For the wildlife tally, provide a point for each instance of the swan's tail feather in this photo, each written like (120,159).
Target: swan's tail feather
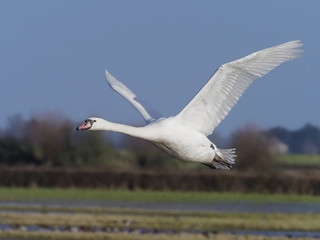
(224,159)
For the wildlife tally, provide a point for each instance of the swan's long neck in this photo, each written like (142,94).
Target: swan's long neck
(139,132)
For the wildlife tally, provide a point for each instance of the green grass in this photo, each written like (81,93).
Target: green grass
(29,194)
(299,160)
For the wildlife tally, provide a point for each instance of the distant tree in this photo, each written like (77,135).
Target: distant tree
(254,149)
(51,140)
(50,137)
(305,140)
(308,139)
(13,153)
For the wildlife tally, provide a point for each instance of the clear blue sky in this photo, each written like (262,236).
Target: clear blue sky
(53,55)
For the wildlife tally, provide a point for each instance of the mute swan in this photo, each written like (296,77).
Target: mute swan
(184,135)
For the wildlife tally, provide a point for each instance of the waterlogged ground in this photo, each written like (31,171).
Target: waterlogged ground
(54,214)
(218,206)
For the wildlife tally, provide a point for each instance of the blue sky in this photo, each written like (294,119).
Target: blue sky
(53,55)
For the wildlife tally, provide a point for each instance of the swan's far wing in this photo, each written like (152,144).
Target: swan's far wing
(214,101)
(148,113)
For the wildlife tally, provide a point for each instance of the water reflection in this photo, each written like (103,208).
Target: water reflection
(239,207)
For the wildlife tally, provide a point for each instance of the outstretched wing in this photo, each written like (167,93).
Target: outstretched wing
(214,101)
(147,112)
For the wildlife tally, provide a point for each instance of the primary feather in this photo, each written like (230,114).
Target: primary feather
(146,111)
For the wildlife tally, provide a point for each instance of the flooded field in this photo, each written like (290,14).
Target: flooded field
(218,206)
(63,218)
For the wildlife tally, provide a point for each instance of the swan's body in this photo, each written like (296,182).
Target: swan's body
(184,136)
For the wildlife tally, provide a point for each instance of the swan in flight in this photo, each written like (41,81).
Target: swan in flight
(184,135)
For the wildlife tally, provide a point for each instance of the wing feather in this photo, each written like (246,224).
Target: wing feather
(147,112)
(214,101)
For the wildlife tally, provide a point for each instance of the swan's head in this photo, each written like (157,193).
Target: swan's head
(92,123)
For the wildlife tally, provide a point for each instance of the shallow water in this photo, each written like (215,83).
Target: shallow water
(240,207)
(291,234)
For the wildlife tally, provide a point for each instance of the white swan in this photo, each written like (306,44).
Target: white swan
(184,136)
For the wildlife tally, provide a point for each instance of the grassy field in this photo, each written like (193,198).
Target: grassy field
(299,160)
(29,194)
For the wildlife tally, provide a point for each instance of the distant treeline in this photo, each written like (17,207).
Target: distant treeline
(298,183)
(303,141)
